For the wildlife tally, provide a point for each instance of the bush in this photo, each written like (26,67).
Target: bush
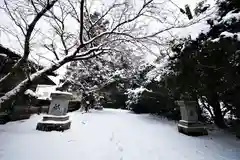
(43,102)
(4,118)
(74,105)
(142,100)
(116,101)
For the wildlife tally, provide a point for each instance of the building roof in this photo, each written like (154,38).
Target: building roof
(8,58)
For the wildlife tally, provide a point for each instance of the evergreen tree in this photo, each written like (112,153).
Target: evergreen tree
(208,68)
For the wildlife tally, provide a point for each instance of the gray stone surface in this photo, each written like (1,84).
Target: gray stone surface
(188,110)
(59,103)
(57,118)
(189,123)
(192,128)
(238,131)
(53,126)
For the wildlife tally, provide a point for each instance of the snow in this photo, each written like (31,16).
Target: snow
(3,55)
(30,92)
(138,90)
(113,135)
(134,94)
(60,92)
(44,91)
(215,40)
(21,85)
(199,23)
(56,80)
(55,122)
(48,115)
(230,16)
(231,35)
(156,73)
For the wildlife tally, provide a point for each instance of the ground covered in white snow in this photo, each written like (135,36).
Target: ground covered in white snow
(112,135)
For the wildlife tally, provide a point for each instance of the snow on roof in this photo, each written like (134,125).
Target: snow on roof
(30,92)
(44,91)
(60,92)
(54,79)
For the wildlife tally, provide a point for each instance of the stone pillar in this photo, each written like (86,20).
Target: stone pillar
(57,118)
(238,129)
(59,103)
(189,123)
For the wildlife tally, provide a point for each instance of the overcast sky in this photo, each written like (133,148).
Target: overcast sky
(8,42)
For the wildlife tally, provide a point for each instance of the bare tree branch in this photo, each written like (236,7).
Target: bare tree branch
(28,34)
(81,22)
(10,13)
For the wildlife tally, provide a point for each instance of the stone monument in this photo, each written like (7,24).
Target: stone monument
(189,123)
(238,129)
(57,117)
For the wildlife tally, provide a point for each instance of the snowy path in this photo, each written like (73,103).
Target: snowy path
(112,135)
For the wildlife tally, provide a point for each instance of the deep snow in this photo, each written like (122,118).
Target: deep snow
(112,135)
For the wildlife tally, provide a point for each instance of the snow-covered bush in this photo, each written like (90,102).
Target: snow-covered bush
(143,100)
(134,96)
(207,66)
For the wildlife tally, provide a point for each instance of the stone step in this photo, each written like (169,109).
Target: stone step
(55,118)
(53,125)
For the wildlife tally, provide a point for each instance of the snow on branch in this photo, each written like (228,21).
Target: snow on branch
(77,33)
(30,93)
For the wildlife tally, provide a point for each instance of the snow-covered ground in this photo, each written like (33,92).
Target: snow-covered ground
(113,135)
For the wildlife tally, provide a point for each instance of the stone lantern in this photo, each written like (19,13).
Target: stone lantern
(57,117)
(189,123)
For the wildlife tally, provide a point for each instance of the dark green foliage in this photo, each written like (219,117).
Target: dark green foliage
(208,67)
(74,105)
(43,102)
(139,77)
(227,6)
(114,94)
(155,100)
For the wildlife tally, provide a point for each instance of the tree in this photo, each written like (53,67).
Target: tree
(201,8)
(76,41)
(99,71)
(207,69)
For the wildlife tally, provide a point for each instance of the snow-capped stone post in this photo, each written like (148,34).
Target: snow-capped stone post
(57,118)
(59,103)
(189,123)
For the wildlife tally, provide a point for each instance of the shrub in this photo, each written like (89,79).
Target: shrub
(142,100)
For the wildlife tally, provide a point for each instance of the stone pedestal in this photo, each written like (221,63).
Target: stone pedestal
(57,118)
(189,123)
(238,130)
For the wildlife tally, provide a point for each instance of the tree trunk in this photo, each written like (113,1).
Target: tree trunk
(12,73)
(6,100)
(218,117)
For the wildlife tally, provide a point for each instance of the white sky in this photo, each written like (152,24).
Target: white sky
(182,3)
(9,42)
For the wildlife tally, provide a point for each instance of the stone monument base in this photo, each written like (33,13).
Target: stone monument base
(192,128)
(54,123)
(238,132)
